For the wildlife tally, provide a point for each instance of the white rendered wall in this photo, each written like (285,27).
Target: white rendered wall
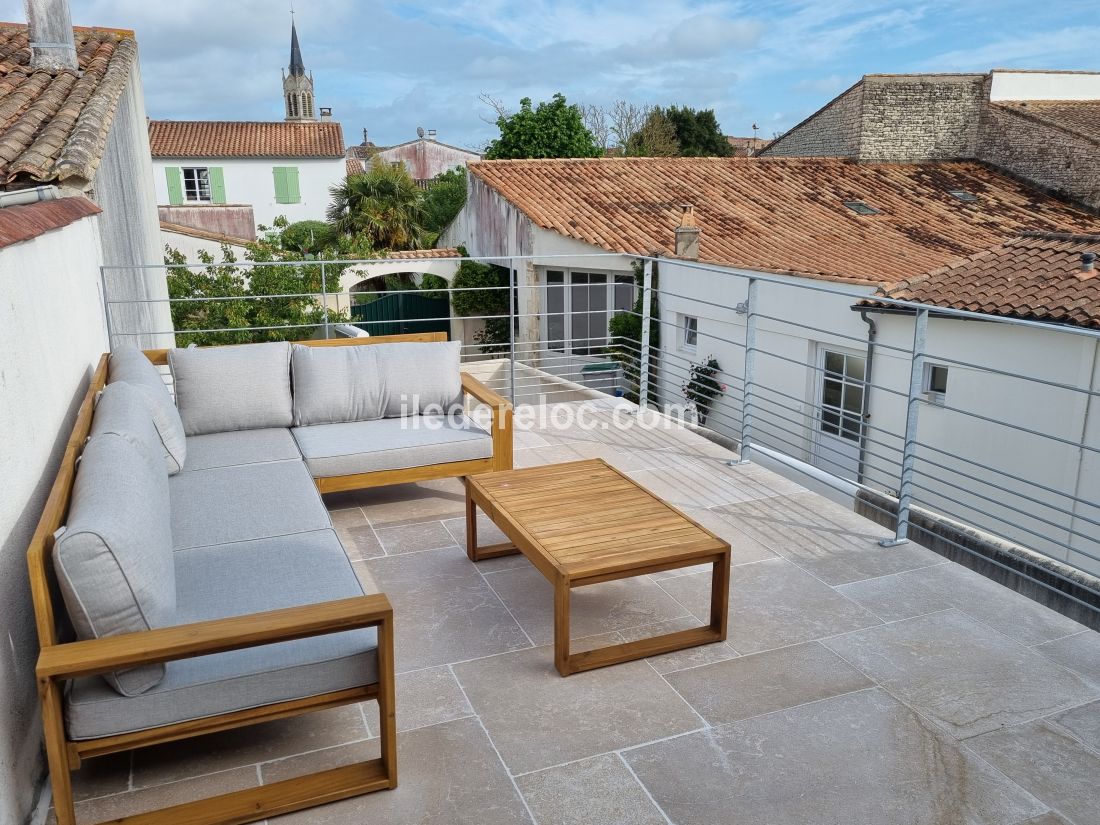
(52,332)
(190,246)
(251,181)
(1008,85)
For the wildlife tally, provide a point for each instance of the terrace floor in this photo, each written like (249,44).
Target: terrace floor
(859,684)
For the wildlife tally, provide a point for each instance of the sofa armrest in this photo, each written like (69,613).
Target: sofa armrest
(502,419)
(167,644)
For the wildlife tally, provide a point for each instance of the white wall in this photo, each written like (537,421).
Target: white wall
(190,246)
(1009,85)
(251,181)
(52,332)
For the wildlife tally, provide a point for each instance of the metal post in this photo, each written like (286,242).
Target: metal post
(512,330)
(750,372)
(909,451)
(324,296)
(643,357)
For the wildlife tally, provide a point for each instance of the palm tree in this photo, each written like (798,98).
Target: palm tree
(384,204)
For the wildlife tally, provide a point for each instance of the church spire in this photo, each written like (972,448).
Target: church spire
(297,67)
(297,85)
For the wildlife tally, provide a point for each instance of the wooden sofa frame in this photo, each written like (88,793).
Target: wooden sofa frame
(59,662)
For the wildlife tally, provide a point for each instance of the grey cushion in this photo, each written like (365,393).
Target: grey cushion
(122,410)
(218,582)
(245,387)
(114,559)
(335,384)
(206,452)
(390,444)
(419,377)
(252,501)
(131,366)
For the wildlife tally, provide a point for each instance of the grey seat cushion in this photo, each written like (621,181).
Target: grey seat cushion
(206,452)
(419,377)
(390,444)
(130,365)
(245,387)
(335,384)
(218,582)
(252,501)
(114,559)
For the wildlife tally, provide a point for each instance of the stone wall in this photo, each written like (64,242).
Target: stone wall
(830,132)
(1053,158)
(921,117)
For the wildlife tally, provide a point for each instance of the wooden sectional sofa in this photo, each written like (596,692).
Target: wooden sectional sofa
(175,530)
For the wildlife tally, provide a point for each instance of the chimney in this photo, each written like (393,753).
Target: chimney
(431,134)
(50,30)
(1088,264)
(326,114)
(687,234)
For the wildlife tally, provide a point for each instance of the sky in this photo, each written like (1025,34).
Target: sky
(391,67)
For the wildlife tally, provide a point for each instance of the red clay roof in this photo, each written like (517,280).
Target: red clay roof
(443,252)
(1036,276)
(1081,117)
(783,215)
(21,223)
(244,139)
(354,166)
(54,125)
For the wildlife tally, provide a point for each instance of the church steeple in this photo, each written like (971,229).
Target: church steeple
(297,85)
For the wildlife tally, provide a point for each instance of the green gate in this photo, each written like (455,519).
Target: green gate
(403,312)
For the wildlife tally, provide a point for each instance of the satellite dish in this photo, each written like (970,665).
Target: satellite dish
(420,131)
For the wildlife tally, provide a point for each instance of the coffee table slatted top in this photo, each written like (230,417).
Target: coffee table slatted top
(589,519)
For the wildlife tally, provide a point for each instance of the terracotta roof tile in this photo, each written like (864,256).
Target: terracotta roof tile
(355,166)
(1081,117)
(443,252)
(1037,276)
(21,223)
(783,215)
(54,125)
(243,139)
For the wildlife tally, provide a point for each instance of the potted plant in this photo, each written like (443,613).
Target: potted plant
(702,387)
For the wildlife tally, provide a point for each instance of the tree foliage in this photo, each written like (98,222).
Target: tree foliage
(444,199)
(553,129)
(626,337)
(655,138)
(698,132)
(383,205)
(488,300)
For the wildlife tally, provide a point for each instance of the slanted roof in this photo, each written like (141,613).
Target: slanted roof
(1082,117)
(442,252)
(297,65)
(1037,276)
(22,223)
(245,139)
(54,124)
(354,166)
(784,215)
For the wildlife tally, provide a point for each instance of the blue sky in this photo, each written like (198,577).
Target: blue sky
(391,67)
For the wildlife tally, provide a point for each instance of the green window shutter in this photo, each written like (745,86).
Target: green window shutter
(217,184)
(292,192)
(175,185)
(286,184)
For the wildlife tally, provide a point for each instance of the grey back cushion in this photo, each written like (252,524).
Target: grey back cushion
(221,389)
(335,385)
(130,365)
(123,409)
(114,558)
(419,378)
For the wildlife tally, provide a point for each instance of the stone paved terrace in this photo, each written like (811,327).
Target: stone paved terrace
(858,685)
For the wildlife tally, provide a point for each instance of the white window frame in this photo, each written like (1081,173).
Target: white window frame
(613,278)
(932,395)
(198,190)
(689,330)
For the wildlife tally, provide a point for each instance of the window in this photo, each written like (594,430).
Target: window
(963,195)
(842,395)
(579,306)
(935,383)
(196,184)
(861,208)
(690,327)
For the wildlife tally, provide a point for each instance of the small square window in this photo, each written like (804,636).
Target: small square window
(861,208)
(935,383)
(963,195)
(691,332)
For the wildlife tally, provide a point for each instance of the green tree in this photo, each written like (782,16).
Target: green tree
(488,299)
(308,237)
(444,199)
(383,205)
(553,129)
(656,138)
(698,132)
(625,343)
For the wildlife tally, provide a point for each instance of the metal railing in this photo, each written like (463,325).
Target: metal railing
(1026,473)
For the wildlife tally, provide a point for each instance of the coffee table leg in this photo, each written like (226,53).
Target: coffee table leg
(720,594)
(561,626)
(471,527)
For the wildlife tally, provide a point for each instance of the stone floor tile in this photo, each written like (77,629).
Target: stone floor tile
(445,610)
(347,517)
(449,775)
(428,697)
(596,791)
(961,674)
(1083,722)
(537,456)
(360,542)
(1049,818)
(1079,653)
(772,604)
(598,608)
(102,776)
(188,758)
(410,538)
(679,659)
(858,759)
(900,596)
(405,503)
(834,544)
(1048,763)
(766,682)
(487,532)
(537,718)
(743,547)
(365,578)
(108,808)
(693,485)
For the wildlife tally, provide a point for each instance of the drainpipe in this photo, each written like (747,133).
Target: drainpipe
(872,334)
(19,197)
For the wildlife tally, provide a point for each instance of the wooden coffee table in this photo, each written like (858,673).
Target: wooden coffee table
(584,523)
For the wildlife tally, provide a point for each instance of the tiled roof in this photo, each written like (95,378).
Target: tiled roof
(244,139)
(54,125)
(444,252)
(784,215)
(21,223)
(1036,276)
(1079,116)
(355,166)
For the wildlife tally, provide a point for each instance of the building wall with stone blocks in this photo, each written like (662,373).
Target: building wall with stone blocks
(830,132)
